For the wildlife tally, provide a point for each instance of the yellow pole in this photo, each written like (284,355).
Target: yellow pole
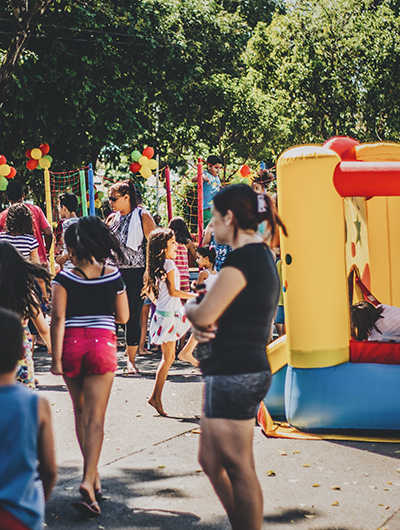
(49,214)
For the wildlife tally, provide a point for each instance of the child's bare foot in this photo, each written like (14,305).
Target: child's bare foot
(132,369)
(157,405)
(188,358)
(87,493)
(144,352)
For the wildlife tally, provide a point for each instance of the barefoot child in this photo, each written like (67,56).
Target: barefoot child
(169,322)
(87,301)
(27,460)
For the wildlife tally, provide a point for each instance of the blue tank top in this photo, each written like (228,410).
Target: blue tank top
(21,490)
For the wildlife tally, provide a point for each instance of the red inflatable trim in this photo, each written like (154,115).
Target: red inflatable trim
(344,146)
(374,352)
(367,179)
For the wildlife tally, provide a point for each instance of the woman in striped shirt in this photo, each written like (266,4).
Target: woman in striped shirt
(18,231)
(87,301)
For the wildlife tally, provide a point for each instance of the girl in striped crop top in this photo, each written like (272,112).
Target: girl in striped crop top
(87,301)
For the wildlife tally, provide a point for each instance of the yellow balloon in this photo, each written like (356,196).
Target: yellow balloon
(145,171)
(44,162)
(152,163)
(36,153)
(4,170)
(143,161)
(97,203)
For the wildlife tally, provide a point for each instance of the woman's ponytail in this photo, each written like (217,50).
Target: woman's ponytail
(266,211)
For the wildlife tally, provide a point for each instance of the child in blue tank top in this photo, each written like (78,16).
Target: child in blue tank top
(27,458)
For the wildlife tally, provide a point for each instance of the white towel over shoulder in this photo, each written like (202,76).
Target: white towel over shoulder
(135,230)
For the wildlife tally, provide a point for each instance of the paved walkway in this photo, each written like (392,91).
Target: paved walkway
(151,475)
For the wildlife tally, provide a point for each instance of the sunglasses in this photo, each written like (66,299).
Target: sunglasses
(113,199)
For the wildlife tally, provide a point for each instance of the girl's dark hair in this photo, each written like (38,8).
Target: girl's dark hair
(208,252)
(155,272)
(19,220)
(181,231)
(17,282)
(91,238)
(363,317)
(126,187)
(242,200)
(11,333)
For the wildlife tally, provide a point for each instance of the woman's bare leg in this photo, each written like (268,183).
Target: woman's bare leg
(186,354)
(144,318)
(131,366)
(168,357)
(90,404)
(226,455)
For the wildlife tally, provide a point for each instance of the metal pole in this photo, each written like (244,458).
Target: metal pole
(168,187)
(49,214)
(200,221)
(91,191)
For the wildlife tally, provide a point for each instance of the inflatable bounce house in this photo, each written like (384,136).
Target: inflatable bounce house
(341,205)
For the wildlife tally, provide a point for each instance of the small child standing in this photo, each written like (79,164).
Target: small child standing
(169,323)
(206,261)
(67,208)
(27,459)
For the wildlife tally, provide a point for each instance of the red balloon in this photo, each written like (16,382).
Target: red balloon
(32,164)
(45,148)
(149,152)
(3,160)
(245,170)
(28,153)
(12,173)
(135,167)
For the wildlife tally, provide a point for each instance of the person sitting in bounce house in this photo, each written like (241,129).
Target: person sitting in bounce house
(380,323)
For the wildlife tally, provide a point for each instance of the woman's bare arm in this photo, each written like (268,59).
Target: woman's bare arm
(172,289)
(148,224)
(121,308)
(46,452)
(227,286)
(58,310)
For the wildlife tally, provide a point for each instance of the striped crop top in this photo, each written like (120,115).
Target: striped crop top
(91,301)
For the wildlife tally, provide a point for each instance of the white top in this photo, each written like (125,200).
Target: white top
(68,265)
(166,302)
(389,325)
(209,281)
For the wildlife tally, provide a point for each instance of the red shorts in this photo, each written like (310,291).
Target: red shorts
(88,351)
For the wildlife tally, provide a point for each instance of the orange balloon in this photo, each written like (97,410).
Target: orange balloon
(149,152)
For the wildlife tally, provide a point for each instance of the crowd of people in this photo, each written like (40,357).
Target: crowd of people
(107,270)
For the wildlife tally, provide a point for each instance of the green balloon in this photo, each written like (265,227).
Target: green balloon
(49,158)
(135,156)
(3,183)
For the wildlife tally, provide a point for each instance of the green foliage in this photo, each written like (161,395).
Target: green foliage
(329,68)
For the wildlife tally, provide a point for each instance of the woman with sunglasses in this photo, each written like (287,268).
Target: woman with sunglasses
(132,226)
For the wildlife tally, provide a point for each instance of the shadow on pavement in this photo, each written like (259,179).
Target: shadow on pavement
(391,450)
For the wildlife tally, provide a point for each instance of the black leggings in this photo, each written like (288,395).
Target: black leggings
(133,279)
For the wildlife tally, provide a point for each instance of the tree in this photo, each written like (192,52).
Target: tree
(25,18)
(329,68)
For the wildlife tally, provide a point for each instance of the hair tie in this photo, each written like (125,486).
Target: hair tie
(261,203)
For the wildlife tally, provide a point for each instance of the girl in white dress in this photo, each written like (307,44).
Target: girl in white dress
(169,322)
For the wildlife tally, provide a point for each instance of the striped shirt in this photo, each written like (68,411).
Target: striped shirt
(90,302)
(25,243)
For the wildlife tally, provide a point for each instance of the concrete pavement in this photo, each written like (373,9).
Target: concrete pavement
(152,479)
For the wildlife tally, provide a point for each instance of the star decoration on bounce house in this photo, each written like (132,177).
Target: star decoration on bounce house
(38,157)
(6,173)
(143,163)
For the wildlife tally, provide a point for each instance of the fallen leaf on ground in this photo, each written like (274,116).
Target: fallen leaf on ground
(335,488)
(315,485)
(306,465)
(336,503)
(271,473)
(69,488)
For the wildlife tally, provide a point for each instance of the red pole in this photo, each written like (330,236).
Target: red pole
(168,187)
(200,221)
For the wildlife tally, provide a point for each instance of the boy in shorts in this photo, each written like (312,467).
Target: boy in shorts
(27,459)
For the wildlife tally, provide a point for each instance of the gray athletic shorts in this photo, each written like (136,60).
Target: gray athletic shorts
(234,397)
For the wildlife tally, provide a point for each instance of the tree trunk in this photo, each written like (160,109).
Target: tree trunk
(25,20)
